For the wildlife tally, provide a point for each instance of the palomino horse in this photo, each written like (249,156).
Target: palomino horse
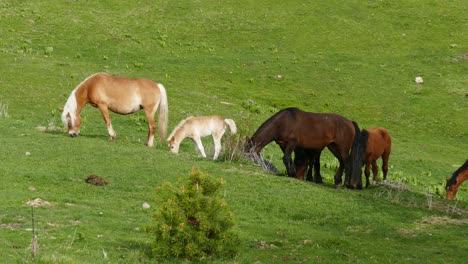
(458,177)
(306,160)
(292,128)
(379,144)
(120,95)
(197,127)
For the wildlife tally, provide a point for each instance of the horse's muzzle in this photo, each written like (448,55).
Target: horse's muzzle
(73,135)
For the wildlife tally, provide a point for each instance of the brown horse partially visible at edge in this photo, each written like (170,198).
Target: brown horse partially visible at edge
(379,145)
(119,95)
(292,128)
(458,177)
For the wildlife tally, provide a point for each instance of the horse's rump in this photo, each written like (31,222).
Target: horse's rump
(379,143)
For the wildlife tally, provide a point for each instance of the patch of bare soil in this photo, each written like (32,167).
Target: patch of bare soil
(449,209)
(429,221)
(10,226)
(38,202)
(96,180)
(442,220)
(463,57)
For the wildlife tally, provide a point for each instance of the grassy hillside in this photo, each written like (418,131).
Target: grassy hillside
(244,60)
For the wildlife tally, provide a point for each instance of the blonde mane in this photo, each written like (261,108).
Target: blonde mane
(181,124)
(71,104)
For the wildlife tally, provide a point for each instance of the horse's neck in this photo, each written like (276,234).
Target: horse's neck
(261,138)
(462,176)
(180,134)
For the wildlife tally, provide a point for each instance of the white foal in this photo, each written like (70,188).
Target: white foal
(201,126)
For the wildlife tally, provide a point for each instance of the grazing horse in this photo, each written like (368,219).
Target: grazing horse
(458,177)
(379,144)
(119,95)
(197,127)
(306,160)
(292,128)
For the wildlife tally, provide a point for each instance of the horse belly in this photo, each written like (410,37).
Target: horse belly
(125,105)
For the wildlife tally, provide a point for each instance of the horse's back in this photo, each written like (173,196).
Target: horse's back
(205,125)
(120,94)
(327,127)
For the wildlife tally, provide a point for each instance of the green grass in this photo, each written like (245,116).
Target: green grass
(355,58)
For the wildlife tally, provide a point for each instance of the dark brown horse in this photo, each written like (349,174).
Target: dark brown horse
(458,177)
(306,160)
(379,145)
(292,128)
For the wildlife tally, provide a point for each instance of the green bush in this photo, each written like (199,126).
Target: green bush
(192,221)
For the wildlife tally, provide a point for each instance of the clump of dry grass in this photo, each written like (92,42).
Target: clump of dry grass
(3,110)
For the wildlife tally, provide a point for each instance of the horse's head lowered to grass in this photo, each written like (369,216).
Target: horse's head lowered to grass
(458,177)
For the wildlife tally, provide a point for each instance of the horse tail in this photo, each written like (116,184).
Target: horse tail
(356,156)
(387,139)
(231,124)
(163,113)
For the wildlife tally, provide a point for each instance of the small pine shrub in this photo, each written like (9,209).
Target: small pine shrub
(192,221)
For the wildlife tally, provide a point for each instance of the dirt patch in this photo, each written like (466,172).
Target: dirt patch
(48,128)
(449,209)
(38,202)
(442,220)
(96,180)
(463,57)
(10,226)
(264,245)
(407,232)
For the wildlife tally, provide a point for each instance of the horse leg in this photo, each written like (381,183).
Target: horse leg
(217,143)
(318,177)
(200,148)
(310,164)
(375,171)
(339,172)
(151,127)
(385,165)
(310,167)
(300,163)
(367,172)
(105,115)
(288,161)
